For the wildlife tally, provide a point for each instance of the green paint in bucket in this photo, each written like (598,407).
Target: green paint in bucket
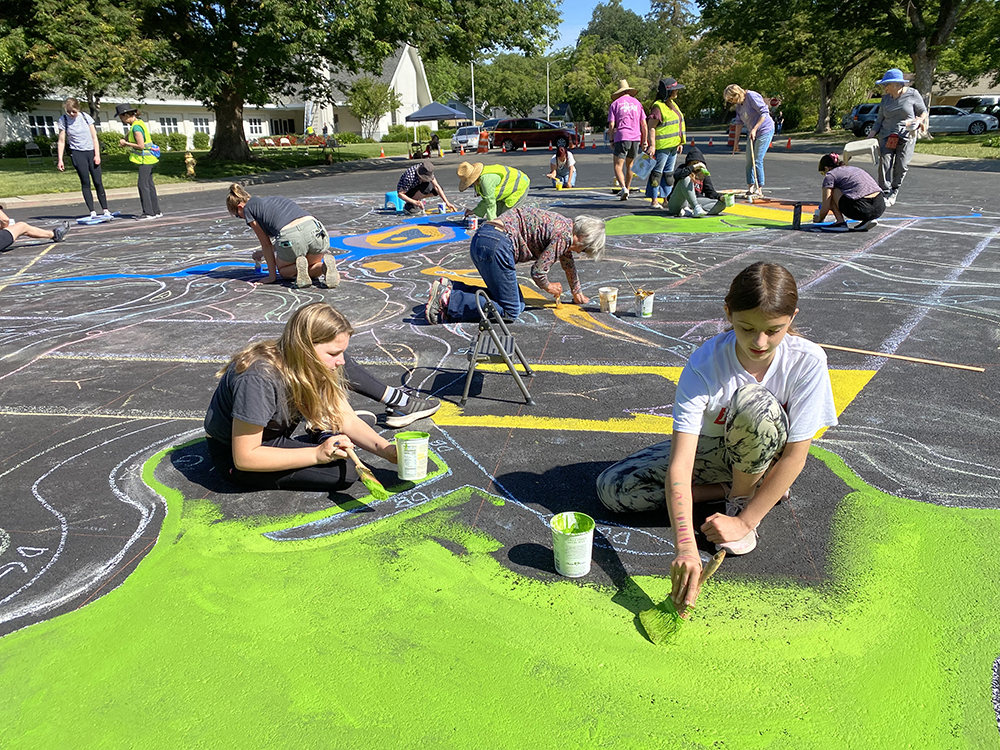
(411,455)
(572,543)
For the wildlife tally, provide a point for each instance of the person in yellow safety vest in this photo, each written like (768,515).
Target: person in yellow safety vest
(667,121)
(499,188)
(143,152)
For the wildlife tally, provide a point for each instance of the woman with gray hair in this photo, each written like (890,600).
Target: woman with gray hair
(520,235)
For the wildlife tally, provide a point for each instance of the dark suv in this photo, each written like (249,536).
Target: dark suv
(513,134)
(863,117)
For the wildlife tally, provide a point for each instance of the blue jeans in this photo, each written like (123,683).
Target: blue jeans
(760,144)
(572,182)
(493,255)
(665,161)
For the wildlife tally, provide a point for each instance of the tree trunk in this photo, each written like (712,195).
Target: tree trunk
(230,143)
(924,67)
(826,88)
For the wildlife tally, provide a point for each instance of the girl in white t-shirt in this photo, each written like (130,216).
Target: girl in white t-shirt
(748,404)
(562,166)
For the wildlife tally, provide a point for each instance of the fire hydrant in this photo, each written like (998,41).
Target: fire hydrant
(190,161)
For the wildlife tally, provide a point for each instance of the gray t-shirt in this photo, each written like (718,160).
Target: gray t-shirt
(853,182)
(256,396)
(77,131)
(893,112)
(272,213)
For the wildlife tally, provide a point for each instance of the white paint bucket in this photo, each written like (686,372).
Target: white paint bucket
(572,543)
(411,455)
(609,298)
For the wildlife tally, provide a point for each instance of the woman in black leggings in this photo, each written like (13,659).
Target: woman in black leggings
(84,151)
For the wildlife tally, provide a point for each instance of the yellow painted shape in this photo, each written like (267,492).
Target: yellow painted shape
(427,232)
(379,284)
(847,384)
(580,318)
(759,212)
(382,266)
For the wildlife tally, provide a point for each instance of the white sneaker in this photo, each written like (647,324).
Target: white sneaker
(93,214)
(108,215)
(624,195)
(686,213)
(699,212)
(734,506)
(890,199)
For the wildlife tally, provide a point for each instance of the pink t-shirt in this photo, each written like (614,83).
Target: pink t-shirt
(624,116)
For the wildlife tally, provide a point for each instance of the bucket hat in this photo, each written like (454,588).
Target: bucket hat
(425,168)
(670,84)
(468,174)
(892,75)
(124,109)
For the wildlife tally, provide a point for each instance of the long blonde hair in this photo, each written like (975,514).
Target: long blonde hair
(314,391)
(736,92)
(237,195)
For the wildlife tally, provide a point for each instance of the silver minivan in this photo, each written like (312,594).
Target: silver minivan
(980,105)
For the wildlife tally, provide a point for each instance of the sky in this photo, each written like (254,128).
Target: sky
(577,14)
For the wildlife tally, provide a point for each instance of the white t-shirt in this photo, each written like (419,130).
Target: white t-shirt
(798,377)
(563,171)
(77,131)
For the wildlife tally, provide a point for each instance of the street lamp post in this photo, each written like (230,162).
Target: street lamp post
(472,73)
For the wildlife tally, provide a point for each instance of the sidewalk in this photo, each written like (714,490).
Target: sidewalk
(173,188)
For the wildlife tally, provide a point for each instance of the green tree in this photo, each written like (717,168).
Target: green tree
(976,52)
(802,36)
(447,77)
(616,25)
(228,53)
(370,100)
(512,82)
(593,76)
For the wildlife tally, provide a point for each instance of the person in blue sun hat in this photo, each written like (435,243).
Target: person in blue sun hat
(902,114)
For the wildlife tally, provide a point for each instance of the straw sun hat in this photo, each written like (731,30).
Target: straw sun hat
(624,88)
(468,174)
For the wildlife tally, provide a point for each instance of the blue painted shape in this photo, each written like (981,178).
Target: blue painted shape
(99,219)
(200,270)
(414,234)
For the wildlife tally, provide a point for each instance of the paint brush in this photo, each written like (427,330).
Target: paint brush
(558,298)
(367,478)
(662,622)
(634,290)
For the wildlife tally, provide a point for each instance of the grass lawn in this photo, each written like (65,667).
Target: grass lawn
(951,144)
(17,178)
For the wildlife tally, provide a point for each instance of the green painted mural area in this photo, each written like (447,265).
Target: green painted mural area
(384,637)
(661,223)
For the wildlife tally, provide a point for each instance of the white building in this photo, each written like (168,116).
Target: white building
(404,72)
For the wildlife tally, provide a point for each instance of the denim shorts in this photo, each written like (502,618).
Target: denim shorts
(308,237)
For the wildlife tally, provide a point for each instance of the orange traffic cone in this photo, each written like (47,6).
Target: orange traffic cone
(710,142)
(503,148)
(524,145)
(593,145)
(692,141)
(788,146)
(550,145)
(381,154)
(461,149)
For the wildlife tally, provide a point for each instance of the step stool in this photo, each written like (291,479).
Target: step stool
(867,147)
(491,346)
(392,200)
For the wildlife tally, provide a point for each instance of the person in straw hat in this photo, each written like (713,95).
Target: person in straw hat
(498,187)
(628,131)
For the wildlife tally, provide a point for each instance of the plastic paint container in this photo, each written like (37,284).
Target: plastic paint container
(442,208)
(472,223)
(572,543)
(644,303)
(609,298)
(411,455)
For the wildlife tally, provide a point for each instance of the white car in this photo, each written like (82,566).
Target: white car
(467,137)
(954,120)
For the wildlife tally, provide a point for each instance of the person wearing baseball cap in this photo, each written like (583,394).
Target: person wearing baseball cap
(416,184)
(901,114)
(143,152)
(666,124)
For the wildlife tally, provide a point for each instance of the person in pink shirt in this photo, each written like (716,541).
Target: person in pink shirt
(627,129)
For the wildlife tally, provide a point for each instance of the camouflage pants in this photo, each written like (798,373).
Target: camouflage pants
(756,433)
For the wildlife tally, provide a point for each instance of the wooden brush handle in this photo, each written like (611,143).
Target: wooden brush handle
(713,565)
(357,461)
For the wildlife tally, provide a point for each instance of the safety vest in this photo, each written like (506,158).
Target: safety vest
(145,156)
(670,134)
(514,183)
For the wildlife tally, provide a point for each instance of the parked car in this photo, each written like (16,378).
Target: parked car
(863,117)
(467,137)
(512,134)
(489,126)
(944,119)
(980,105)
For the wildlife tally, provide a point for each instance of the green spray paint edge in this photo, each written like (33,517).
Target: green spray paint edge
(621,226)
(392,640)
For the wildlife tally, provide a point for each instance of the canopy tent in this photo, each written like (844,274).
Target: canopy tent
(433,111)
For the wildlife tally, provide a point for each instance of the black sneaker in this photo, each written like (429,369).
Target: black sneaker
(59,233)
(411,411)
(143,217)
(864,226)
(437,302)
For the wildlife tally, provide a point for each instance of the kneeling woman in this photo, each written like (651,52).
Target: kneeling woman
(519,235)
(849,192)
(269,388)
(748,404)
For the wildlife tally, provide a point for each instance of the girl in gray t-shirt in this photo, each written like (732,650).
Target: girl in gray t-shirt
(84,151)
